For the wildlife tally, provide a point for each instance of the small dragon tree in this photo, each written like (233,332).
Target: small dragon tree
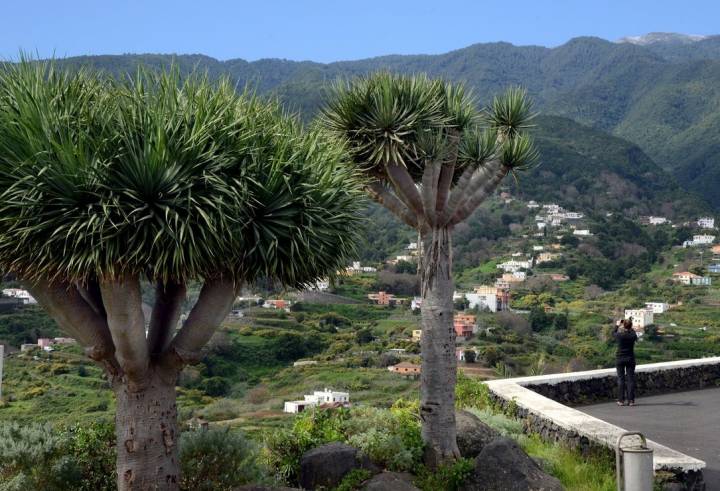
(432,160)
(106,185)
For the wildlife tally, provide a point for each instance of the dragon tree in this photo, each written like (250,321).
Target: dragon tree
(107,187)
(432,158)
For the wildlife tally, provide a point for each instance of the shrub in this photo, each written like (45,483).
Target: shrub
(470,392)
(354,479)
(450,476)
(391,438)
(215,386)
(218,459)
(89,452)
(220,410)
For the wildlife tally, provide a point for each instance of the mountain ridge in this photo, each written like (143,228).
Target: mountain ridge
(664,97)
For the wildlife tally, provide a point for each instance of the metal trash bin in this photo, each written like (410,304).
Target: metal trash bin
(634,465)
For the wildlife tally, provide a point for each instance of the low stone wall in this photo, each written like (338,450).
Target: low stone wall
(543,404)
(601,385)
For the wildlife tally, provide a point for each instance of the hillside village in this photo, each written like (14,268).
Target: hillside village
(530,308)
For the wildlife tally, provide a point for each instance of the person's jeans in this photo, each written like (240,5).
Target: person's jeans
(626,380)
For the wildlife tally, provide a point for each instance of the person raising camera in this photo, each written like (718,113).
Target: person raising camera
(626,337)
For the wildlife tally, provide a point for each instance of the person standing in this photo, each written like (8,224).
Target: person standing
(626,337)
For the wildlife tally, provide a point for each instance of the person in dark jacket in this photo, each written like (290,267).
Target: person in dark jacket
(626,337)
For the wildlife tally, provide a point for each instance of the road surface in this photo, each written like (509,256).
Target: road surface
(688,422)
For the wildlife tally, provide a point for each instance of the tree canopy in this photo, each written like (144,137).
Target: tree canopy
(165,178)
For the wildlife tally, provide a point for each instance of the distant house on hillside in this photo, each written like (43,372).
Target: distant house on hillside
(706,222)
(701,281)
(684,277)
(384,298)
(515,265)
(279,304)
(641,318)
(546,257)
(532,205)
(714,268)
(318,398)
(416,303)
(687,278)
(417,335)
(582,232)
(22,295)
(357,268)
(464,325)
(656,220)
(657,307)
(406,369)
(492,298)
(699,240)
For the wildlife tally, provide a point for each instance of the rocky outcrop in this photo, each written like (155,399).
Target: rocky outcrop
(390,481)
(472,434)
(504,466)
(324,467)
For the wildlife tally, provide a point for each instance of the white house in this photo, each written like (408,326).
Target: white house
(657,307)
(582,232)
(317,398)
(320,285)
(416,303)
(640,318)
(22,295)
(359,268)
(703,239)
(404,257)
(515,265)
(572,215)
(701,281)
(532,204)
(492,298)
(699,240)
(552,208)
(541,225)
(684,277)
(706,222)
(412,246)
(657,220)
(538,248)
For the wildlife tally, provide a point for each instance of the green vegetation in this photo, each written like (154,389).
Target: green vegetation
(660,97)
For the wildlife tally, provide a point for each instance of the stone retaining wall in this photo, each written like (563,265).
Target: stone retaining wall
(603,387)
(543,404)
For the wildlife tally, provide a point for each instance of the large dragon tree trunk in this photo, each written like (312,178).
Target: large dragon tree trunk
(106,317)
(437,390)
(147,436)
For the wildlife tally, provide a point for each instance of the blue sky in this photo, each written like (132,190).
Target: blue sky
(329,30)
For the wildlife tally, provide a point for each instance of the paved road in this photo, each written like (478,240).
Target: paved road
(688,422)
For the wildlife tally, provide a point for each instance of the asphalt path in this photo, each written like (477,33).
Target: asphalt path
(688,422)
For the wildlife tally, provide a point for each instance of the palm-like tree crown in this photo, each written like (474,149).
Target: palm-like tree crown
(394,119)
(167,178)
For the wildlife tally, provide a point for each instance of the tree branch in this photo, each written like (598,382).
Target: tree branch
(123,303)
(479,196)
(405,187)
(165,315)
(470,179)
(75,316)
(430,177)
(387,198)
(91,293)
(447,173)
(215,301)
